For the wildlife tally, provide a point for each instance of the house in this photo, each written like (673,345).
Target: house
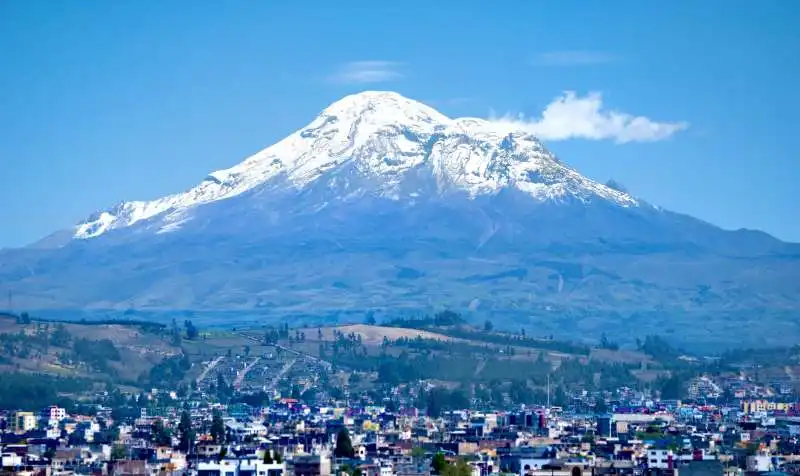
(562,469)
(311,465)
(241,431)
(525,459)
(246,466)
(22,422)
(130,468)
(10,460)
(660,459)
(702,468)
(208,450)
(53,414)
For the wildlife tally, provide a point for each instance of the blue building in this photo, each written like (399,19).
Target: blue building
(605,425)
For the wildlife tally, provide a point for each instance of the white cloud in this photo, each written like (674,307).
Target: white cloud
(365,72)
(574,117)
(574,58)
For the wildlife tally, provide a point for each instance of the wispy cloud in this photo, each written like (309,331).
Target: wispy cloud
(572,117)
(366,72)
(574,58)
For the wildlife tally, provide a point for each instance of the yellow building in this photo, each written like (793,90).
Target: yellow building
(753,406)
(22,422)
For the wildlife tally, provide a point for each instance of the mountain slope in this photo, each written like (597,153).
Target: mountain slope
(382,203)
(382,138)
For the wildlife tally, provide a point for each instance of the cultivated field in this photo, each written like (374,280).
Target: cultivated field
(374,335)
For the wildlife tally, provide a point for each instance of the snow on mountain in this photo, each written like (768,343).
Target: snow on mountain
(382,135)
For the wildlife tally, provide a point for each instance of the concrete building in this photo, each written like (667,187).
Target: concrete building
(660,459)
(240,467)
(524,460)
(311,465)
(759,463)
(52,415)
(605,425)
(22,422)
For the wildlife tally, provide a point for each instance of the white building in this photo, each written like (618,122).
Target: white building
(10,460)
(759,463)
(659,459)
(240,467)
(53,415)
(240,431)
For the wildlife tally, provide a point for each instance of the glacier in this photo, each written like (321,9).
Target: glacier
(383,135)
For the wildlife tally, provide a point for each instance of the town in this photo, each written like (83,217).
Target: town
(634,434)
(369,400)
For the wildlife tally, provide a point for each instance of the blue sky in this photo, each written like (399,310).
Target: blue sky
(106,101)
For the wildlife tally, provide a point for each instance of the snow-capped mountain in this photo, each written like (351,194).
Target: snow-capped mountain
(383,136)
(381,204)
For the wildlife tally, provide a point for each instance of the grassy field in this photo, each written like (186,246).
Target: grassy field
(141,348)
(374,336)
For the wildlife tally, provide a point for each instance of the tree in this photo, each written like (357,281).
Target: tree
(217,428)
(560,397)
(461,468)
(60,337)
(76,438)
(607,344)
(161,435)
(488,326)
(186,432)
(433,403)
(520,392)
(268,456)
(370,320)
(295,393)
(24,318)
(247,351)
(600,406)
(672,388)
(417,452)
(438,463)
(271,337)
(344,447)
(191,330)
(118,452)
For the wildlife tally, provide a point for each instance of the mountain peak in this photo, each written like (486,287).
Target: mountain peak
(381,108)
(379,143)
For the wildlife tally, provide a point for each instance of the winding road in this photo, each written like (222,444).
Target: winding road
(208,369)
(240,378)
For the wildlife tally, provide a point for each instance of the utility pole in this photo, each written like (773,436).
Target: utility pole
(548,393)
